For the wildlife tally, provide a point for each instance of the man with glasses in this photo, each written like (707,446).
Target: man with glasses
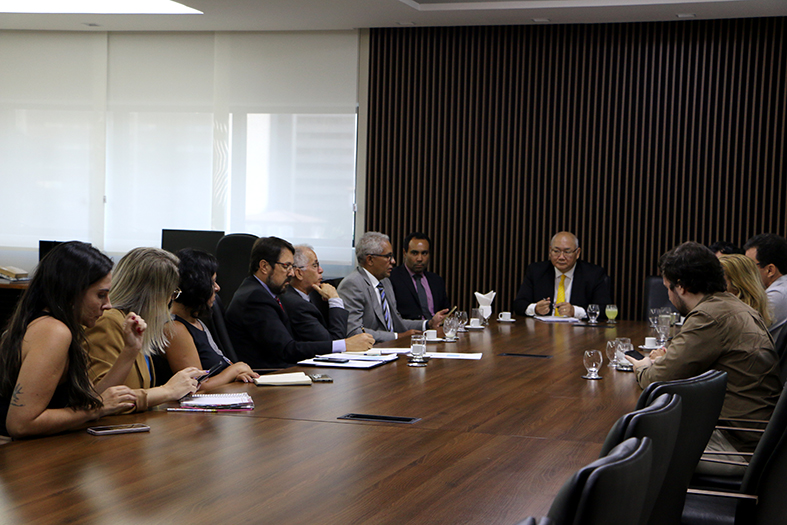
(315,309)
(769,252)
(369,297)
(257,324)
(563,285)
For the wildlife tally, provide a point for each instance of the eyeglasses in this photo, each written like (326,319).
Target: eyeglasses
(286,266)
(567,252)
(315,265)
(176,294)
(386,256)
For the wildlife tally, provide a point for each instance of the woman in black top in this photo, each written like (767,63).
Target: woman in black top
(190,341)
(44,385)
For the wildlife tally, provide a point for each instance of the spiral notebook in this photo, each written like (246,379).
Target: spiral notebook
(237,400)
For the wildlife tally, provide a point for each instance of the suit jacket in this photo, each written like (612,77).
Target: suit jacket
(260,330)
(590,286)
(360,301)
(308,322)
(407,297)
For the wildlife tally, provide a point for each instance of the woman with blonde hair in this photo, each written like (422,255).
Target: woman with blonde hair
(743,281)
(144,283)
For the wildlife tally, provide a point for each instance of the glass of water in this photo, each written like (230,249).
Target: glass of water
(592,361)
(593,312)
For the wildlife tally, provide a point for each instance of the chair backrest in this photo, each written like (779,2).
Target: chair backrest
(701,400)
(780,346)
(656,294)
(566,505)
(772,505)
(218,330)
(233,252)
(660,421)
(614,494)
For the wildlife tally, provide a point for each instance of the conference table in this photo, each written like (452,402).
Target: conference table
(495,440)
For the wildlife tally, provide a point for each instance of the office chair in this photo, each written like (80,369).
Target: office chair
(656,295)
(701,401)
(218,329)
(609,491)
(233,252)
(660,421)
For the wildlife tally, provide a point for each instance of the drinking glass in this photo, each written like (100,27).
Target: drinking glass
(611,312)
(592,361)
(612,358)
(475,313)
(450,325)
(623,347)
(462,318)
(653,317)
(418,345)
(593,312)
(663,327)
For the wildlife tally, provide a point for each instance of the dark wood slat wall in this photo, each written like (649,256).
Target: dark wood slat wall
(635,136)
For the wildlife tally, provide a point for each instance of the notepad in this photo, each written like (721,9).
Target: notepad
(218,401)
(293,378)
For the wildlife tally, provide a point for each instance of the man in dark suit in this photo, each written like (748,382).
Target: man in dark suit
(369,297)
(572,283)
(419,293)
(256,321)
(315,309)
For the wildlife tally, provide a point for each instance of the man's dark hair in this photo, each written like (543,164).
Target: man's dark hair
(771,249)
(415,235)
(267,249)
(725,247)
(694,267)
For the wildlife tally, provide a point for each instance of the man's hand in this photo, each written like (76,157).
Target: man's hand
(639,363)
(565,309)
(437,320)
(544,306)
(326,291)
(658,352)
(408,333)
(359,342)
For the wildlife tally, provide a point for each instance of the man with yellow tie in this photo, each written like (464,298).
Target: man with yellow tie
(573,284)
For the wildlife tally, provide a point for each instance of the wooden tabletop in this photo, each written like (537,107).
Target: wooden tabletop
(495,441)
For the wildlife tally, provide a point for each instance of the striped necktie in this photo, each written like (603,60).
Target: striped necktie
(386,311)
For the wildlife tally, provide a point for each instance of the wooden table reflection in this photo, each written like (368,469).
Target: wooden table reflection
(496,440)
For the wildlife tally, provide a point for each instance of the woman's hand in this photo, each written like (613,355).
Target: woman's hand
(117,399)
(183,383)
(244,373)
(133,332)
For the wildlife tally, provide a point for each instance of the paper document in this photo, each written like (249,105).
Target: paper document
(454,355)
(236,400)
(354,361)
(555,319)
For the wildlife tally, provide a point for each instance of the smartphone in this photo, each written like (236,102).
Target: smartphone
(331,359)
(636,355)
(321,378)
(118,429)
(210,372)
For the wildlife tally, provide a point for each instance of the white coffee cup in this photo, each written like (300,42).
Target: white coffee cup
(475,322)
(650,342)
(430,335)
(504,316)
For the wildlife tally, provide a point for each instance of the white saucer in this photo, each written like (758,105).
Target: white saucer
(438,340)
(455,339)
(506,321)
(474,327)
(643,347)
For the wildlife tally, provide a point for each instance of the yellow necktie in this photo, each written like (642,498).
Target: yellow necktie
(561,293)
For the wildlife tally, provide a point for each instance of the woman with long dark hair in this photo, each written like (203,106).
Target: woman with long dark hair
(190,342)
(44,384)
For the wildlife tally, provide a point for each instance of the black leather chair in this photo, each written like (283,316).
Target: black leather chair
(780,345)
(218,330)
(656,295)
(701,400)
(609,491)
(660,421)
(761,474)
(233,252)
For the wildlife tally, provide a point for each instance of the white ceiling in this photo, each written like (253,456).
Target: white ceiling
(287,15)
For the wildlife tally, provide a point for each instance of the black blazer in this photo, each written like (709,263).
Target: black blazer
(309,322)
(260,330)
(590,286)
(407,297)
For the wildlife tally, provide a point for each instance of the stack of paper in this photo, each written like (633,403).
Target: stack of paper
(235,401)
(294,378)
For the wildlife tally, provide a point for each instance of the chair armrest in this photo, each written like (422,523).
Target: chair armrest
(726,461)
(736,495)
(741,429)
(741,420)
(726,453)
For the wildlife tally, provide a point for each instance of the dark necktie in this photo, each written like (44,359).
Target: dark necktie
(386,311)
(419,287)
(280,305)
